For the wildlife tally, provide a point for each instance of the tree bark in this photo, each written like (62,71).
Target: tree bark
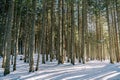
(32,37)
(9,25)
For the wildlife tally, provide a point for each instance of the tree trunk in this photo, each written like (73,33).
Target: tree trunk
(9,25)
(84,25)
(32,37)
(109,32)
(72,34)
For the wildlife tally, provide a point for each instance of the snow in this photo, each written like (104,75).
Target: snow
(92,70)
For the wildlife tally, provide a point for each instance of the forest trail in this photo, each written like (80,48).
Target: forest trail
(92,70)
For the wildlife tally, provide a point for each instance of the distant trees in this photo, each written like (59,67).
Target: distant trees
(64,30)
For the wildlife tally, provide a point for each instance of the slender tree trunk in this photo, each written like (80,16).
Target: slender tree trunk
(79,32)
(16,43)
(109,32)
(84,25)
(72,34)
(60,32)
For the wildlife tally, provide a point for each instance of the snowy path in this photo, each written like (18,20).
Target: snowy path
(93,70)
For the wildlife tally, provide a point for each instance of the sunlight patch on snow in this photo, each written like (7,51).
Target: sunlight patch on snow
(27,76)
(102,75)
(110,76)
(72,77)
(119,67)
(97,66)
(44,75)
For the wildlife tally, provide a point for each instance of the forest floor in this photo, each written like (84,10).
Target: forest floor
(92,70)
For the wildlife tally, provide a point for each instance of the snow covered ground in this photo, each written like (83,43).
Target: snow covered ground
(92,70)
